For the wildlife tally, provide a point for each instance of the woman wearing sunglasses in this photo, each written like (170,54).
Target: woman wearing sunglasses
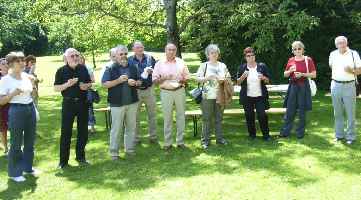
(253,77)
(298,98)
(16,88)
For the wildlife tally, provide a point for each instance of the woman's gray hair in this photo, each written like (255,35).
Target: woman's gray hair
(340,38)
(212,48)
(298,44)
(122,48)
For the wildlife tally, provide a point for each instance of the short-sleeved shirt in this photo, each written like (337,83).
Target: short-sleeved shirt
(177,68)
(210,87)
(147,61)
(63,74)
(300,67)
(121,94)
(9,84)
(339,61)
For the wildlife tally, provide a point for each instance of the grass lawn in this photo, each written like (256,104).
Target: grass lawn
(312,168)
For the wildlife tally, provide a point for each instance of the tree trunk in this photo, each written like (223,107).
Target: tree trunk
(93,55)
(171,24)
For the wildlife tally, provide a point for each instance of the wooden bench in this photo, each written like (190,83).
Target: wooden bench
(108,118)
(195,115)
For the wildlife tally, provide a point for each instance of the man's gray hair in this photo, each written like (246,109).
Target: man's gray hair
(69,51)
(212,48)
(121,48)
(138,42)
(112,51)
(170,44)
(340,38)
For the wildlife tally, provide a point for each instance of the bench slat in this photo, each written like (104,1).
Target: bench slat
(236,111)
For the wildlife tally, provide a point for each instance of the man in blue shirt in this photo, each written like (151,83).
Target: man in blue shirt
(145,64)
(121,79)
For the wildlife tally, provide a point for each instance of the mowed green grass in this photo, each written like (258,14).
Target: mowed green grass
(312,168)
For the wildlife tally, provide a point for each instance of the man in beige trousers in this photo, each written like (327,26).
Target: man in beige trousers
(171,74)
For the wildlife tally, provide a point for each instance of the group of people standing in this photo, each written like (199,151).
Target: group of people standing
(131,82)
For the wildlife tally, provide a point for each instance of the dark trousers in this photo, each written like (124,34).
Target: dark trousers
(22,126)
(295,103)
(70,110)
(258,103)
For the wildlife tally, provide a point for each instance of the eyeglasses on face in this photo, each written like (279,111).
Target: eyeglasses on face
(19,60)
(74,56)
(296,49)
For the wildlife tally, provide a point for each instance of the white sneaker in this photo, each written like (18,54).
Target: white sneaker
(34,172)
(349,142)
(18,179)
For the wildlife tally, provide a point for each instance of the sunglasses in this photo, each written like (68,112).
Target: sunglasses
(74,56)
(249,55)
(123,54)
(19,60)
(297,49)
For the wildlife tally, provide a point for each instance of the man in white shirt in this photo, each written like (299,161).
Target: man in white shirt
(345,65)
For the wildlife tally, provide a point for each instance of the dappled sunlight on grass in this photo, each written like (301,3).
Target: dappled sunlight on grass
(312,168)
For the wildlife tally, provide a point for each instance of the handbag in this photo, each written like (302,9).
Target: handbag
(197,93)
(93,96)
(357,82)
(312,83)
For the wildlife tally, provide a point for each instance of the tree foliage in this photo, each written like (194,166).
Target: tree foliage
(270,26)
(18,31)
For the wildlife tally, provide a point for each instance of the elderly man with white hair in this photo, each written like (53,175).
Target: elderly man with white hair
(171,74)
(345,65)
(145,64)
(73,81)
(122,80)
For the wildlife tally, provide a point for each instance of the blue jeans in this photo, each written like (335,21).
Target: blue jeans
(91,119)
(22,126)
(344,100)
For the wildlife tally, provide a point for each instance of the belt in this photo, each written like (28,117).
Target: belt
(343,82)
(20,104)
(175,89)
(142,88)
(73,99)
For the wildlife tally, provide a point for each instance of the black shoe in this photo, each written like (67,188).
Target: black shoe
(82,162)
(267,139)
(300,137)
(282,136)
(338,139)
(153,141)
(167,148)
(252,137)
(181,146)
(222,142)
(205,146)
(63,165)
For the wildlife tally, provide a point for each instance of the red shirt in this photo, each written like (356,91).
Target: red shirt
(300,67)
